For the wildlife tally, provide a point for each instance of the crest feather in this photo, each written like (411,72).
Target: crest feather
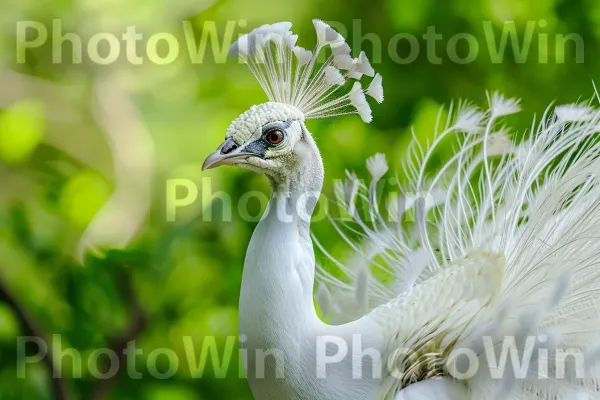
(295,76)
(334,76)
(363,65)
(375,89)
(359,101)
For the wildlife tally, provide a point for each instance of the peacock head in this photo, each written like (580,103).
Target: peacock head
(264,139)
(268,138)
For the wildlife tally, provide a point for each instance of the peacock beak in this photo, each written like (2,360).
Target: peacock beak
(228,153)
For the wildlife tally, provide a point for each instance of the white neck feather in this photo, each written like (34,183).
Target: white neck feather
(277,313)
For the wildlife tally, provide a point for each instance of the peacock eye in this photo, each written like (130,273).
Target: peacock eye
(274,136)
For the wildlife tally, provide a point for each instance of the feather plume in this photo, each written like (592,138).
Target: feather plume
(280,27)
(291,40)
(499,144)
(341,48)
(334,76)
(528,221)
(354,74)
(574,113)
(362,292)
(302,55)
(326,35)
(375,89)
(292,75)
(359,101)
(343,61)
(346,191)
(470,120)
(501,106)
(363,65)
(377,166)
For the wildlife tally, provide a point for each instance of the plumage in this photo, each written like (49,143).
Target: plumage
(363,65)
(343,61)
(334,76)
(318,91)
(303,55)
(497,250)
(341,48)
(327,35)
(375,89)
(377,166)
(437,389)
(359,102)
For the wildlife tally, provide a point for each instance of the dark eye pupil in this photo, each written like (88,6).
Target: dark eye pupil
(274,137)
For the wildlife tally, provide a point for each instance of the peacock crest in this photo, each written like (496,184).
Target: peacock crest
(294,76)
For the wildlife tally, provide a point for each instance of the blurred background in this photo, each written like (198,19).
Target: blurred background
(92,253)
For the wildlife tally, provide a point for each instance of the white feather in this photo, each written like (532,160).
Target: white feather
(362,288)
(358,101)
(281,27)
(354,74)
(363,65)
(303,56)
(346,191)
(326,35)
(499,144)
(340,48)
(377,166)
(343,61)
(575,113)
(313,87)
(529,221)
(291,40)
(333,76)
(501,106)
(470,120)
(438,389)
(375,89)
(240,47)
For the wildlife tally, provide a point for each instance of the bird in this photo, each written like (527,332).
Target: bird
(480,280)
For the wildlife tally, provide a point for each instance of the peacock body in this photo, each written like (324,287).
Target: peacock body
(497,251)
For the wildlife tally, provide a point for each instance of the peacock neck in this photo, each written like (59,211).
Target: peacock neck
(280,261)
(276,301)
(294,199)
(277,314)
(298,190)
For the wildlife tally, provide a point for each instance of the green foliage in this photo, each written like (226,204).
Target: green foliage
(178,279)
(21,130)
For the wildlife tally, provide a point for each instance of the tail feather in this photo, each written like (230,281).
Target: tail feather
(536,202)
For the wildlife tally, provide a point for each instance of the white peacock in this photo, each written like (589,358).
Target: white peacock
(507,250)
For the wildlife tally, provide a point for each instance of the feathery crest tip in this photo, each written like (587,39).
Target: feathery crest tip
(292,75)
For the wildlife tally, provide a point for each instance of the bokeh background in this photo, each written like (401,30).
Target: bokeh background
(87,151)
